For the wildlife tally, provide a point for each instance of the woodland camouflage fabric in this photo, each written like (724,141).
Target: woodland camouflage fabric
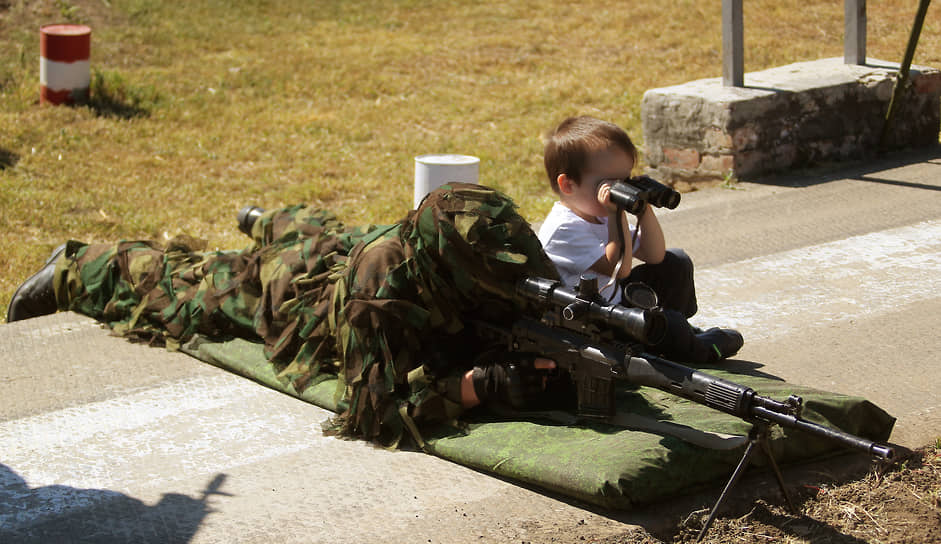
(382,307)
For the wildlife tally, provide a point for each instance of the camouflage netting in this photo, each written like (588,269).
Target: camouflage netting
(381,307)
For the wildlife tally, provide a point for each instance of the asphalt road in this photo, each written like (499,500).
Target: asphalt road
(832,276)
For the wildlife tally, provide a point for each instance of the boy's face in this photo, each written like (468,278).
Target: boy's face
(589,199)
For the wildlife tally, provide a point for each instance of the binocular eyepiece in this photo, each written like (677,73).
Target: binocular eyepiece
(247,216)
(633,193)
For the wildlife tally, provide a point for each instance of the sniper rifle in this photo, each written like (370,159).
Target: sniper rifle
(599,345)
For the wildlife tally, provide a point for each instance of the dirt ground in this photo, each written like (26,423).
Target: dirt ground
(899,503)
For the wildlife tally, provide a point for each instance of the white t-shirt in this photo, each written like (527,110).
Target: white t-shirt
(574,245)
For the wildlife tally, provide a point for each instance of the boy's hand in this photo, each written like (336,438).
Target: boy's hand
(604,197)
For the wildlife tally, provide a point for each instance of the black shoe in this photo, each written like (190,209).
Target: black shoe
(723,343)
(36,296)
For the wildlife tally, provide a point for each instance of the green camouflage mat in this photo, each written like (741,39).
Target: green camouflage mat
(613,467)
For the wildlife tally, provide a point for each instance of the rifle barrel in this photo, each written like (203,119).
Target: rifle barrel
(849,440)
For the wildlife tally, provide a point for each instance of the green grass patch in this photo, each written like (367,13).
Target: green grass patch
(111,95)
(198,108)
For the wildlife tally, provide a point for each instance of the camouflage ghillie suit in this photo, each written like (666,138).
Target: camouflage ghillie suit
(382,307)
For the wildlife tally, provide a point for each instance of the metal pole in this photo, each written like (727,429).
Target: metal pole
(733,46)
(902,80)
(854,33)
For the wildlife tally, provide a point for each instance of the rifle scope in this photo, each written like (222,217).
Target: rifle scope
(645,326)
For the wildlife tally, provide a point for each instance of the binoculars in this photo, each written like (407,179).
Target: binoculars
(632,194)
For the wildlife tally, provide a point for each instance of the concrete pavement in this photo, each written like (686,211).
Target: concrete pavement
(118,442)
(832,277)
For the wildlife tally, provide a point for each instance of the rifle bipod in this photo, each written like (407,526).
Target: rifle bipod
(757,436)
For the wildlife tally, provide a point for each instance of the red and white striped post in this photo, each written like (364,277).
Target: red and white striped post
(64,69)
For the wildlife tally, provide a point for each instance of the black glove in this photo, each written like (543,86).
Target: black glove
(515,383)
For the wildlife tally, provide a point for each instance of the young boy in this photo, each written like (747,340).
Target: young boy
(584,157)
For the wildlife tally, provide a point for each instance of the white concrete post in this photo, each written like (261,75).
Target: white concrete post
(433,171)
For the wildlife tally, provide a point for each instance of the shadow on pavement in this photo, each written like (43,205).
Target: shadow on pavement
(857,170)
(59,513)
(899,183)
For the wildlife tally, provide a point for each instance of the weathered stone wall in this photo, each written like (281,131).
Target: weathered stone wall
(785,117)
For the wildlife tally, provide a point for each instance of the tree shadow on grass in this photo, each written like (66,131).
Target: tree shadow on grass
(8,159)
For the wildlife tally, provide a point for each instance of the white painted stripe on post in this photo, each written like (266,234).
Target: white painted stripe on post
(860,276)
(64,76)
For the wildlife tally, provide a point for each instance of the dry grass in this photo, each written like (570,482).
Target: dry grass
(201,107)
(893,503)
(898,503)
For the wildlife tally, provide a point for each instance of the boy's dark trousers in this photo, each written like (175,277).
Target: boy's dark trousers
(672,280)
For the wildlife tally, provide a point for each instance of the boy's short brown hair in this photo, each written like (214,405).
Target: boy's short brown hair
(574,140)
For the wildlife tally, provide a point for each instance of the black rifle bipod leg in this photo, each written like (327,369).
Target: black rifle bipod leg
(777,472)
(742,464)
(757,437)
